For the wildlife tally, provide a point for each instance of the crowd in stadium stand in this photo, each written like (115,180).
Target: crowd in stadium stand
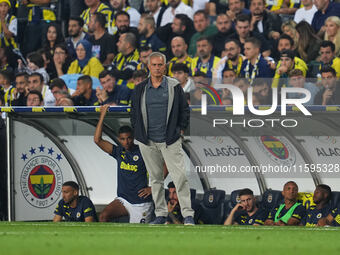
(92,52)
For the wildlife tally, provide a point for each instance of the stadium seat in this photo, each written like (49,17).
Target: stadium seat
(230,204)
(234,197)
(335,199)
(271,198)
(212,207)
(228,207)
(192,194)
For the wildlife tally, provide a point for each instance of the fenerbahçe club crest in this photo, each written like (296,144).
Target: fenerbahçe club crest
(277,149)
(41,178)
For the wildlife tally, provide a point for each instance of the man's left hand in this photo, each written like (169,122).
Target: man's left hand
(144,193)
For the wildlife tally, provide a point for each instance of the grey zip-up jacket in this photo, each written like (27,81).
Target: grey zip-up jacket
(177,114)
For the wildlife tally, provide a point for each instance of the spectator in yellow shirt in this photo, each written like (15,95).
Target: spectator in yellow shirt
(85,63)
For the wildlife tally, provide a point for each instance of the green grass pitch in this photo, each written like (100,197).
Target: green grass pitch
(36,238)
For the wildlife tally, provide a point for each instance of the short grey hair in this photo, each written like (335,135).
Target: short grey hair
(155,55)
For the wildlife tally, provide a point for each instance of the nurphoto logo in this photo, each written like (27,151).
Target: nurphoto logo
(239,102)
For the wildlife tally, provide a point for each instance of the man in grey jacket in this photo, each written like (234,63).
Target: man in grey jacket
(159,116)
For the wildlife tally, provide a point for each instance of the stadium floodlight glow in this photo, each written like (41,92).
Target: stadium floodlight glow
(239,100)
